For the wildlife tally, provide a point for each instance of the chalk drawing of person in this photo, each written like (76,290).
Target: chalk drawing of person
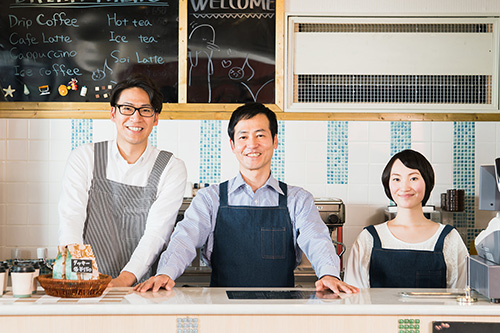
(203,41)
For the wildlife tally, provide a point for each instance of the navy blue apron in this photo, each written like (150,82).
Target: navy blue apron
(253,246)
(397,268)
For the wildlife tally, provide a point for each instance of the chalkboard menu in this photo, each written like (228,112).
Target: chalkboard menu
(76,50)
(231,51)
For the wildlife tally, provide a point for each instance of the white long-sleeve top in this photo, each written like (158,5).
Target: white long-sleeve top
(454,252)
(161,219)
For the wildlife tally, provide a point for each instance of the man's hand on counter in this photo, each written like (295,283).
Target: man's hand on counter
(329,282)
(125,279)
(155,283)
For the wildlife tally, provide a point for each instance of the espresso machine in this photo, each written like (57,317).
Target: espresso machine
(485,267)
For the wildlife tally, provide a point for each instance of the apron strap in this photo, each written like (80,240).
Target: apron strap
(223,194)
(100,159)
(283,197)
(376,239)
(160,164)
(440,242)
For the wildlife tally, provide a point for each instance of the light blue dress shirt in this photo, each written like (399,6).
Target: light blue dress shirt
(196,230)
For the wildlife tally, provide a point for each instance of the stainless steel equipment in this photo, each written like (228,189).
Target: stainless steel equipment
(485,267)
(332,212)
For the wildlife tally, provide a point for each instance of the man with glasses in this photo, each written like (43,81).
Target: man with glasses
(122,196)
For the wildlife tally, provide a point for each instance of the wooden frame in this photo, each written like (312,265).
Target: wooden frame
(181,110)
(206,111)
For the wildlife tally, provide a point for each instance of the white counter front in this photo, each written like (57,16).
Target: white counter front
(372,310)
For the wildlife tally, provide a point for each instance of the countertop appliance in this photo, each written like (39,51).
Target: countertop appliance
(332,212)
(485,267)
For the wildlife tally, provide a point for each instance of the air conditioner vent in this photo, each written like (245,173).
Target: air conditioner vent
(406,89)
(395,28)
(348,64)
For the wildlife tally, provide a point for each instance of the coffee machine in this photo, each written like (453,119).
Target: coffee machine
(485,267)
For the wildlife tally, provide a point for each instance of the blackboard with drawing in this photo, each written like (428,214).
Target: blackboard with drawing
(76,50)
(231,51)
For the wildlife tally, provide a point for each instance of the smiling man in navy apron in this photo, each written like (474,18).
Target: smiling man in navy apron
(252,228)
(122,196)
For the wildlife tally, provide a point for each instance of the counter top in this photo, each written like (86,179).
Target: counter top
(203,301)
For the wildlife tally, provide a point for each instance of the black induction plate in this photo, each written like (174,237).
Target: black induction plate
(271,294)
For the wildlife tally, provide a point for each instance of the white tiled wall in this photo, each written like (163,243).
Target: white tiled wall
(33,155)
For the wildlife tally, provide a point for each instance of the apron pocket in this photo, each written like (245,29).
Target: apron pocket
(273,243)
(429,279)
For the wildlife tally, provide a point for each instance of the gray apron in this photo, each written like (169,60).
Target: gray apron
(117,213)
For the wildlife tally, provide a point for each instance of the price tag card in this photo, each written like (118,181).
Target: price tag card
(81,265)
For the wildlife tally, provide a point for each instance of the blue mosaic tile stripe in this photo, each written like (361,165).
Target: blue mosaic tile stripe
(82,131)
(464,149)
(337,152)
(278,160)
(400,136)
(153,136)
(210,151)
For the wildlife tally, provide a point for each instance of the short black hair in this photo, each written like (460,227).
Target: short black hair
(414,160)
(250,110)
(139,81)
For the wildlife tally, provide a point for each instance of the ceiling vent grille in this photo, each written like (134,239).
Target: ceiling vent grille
(412,89)
(403,64)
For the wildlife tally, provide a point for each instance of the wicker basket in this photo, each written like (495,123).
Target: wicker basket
(74,288)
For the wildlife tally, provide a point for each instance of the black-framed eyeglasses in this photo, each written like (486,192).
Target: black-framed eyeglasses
(129,110)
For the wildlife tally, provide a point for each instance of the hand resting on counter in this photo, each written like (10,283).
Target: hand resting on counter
(155,283)
(329,282)
(125,279)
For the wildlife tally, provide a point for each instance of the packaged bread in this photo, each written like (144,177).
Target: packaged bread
(59,268)
(77,262)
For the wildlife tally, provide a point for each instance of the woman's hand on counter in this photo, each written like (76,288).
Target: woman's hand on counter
(125,279)
(329,282)
(155,283)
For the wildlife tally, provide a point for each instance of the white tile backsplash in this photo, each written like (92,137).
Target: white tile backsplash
(358,131)
(38,171)
(358,174)
(38,150)
(33,156)
(379,152)
(17,128)
(485,132)
(442,152)
(357,194)
(104,129)
(3,129)
(16,214)
(380,131)
(3,150)
(60,129)
(358,153)
(16,171)
(441,132)
(38,193)
(16,193)
(420,131)
(59,150)
(316,173)
(38,214)
(424,148)
(17,150)
(39,129)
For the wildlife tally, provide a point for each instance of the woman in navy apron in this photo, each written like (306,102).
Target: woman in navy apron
(409,251)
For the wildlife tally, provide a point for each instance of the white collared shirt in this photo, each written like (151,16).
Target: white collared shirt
(197,228)
(76,183)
